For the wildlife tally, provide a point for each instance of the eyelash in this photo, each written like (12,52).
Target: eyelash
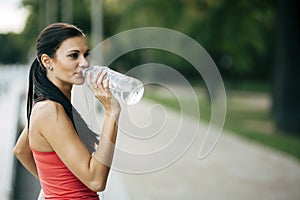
(75,55)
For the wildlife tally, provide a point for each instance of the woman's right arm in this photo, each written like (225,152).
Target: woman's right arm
(23,153)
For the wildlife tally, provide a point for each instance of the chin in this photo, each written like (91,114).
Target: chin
(79,81)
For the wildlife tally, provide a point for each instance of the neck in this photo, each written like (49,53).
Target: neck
(65,88)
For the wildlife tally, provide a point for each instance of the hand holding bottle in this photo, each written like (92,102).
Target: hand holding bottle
(100,86)
(126,89)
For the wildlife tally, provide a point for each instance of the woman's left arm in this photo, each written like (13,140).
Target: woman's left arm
(23,153)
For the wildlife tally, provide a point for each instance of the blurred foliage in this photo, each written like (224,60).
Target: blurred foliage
(237,34)
(11,52)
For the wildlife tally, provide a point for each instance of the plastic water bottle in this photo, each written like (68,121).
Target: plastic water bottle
(126,89)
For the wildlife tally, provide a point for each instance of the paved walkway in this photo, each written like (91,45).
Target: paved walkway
(236,169)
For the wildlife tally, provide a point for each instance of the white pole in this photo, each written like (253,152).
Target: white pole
(67,11)
(96,30)
(51,11)
(42,17)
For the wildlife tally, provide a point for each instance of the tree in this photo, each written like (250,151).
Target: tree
(286,97)
(12,49)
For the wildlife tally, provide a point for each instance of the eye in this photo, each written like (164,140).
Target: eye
(74,55)
(86,54)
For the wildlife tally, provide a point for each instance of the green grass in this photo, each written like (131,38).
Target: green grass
(245,121)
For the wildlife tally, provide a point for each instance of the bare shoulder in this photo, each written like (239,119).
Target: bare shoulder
(45,122)
(47,109)
(46,114)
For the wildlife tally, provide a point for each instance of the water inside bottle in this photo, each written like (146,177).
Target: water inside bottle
(134,96)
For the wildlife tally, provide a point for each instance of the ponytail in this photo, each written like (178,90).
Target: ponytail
(30,99)
(41,88)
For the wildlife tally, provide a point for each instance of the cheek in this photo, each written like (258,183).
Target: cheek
(65,67)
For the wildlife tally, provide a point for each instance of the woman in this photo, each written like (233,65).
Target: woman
(55,146)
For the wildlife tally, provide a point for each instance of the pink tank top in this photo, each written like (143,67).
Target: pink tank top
(57,181)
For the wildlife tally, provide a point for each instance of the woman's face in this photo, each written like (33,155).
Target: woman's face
(69,61)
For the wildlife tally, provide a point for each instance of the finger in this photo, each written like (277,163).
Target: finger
(98,75)
(89,81)
(106,84)
(100,79)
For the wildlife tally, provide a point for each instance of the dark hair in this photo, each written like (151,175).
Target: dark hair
(41,88)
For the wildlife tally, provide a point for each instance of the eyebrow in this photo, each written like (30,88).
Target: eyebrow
(77,51)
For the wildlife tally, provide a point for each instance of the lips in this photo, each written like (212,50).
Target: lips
(79,73)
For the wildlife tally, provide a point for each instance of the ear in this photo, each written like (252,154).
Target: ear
(46,60)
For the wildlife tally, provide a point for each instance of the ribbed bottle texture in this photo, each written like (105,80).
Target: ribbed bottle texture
(126,89)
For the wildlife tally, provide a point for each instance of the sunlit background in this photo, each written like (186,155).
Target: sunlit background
(255,45)
(13,16)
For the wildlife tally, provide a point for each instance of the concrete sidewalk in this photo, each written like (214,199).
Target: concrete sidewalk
(236,169)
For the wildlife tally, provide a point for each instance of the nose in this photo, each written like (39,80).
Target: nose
(84,63)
